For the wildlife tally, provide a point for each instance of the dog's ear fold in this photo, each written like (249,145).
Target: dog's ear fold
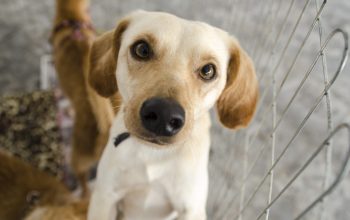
(237,103)
(103,60)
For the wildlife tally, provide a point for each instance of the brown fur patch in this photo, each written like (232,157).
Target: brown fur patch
(18,179)
(93,113)
(236,105)
(103,61)
(74,211)
(74,10)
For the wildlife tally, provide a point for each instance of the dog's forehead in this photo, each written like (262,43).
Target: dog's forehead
(174,32)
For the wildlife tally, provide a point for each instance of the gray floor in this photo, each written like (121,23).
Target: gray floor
(24,32)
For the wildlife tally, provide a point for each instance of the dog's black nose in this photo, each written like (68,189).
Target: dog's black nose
(162,116)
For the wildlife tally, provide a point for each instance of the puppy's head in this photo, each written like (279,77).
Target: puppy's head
(169,71)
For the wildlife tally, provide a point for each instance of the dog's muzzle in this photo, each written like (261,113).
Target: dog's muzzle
(162,116)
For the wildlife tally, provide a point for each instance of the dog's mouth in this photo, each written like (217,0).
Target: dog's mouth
(125,135)
(152,140)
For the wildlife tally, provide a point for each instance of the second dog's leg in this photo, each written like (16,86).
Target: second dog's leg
(84,154)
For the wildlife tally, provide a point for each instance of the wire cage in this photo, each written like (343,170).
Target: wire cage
(287,164)
(291,161)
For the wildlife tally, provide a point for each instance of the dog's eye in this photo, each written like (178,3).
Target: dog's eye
(208,72)
(141,50)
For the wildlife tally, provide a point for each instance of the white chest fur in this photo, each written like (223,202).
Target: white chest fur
(148,182)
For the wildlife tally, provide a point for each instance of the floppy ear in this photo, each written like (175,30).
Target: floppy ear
(103,60)
(237,103)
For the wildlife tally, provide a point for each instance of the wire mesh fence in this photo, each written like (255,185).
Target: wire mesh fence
(283,166)
(290,162)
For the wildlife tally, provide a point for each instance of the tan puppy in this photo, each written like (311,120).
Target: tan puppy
(169,73)
(72,37)
(25,190)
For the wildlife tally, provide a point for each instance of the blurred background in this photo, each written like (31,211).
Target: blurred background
(283,38)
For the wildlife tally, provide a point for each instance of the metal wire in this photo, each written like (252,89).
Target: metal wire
(344,170)
(269,51)
(301,125)
(329,147)
(342,173)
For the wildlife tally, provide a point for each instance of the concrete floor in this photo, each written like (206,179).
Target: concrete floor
(24,31)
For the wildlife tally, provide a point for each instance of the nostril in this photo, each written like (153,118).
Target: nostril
(176,123)
(151,116)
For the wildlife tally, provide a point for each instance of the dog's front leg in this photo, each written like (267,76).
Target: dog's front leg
(190,203)
(189,195)
(103,205)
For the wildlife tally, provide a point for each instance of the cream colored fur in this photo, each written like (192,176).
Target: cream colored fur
(150,181)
